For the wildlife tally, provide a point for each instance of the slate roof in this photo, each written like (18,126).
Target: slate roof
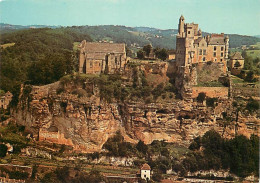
(217,39)
(237,56)
(93,47)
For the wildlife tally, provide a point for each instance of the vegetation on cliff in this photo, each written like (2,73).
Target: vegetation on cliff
(115,87)
(39,56)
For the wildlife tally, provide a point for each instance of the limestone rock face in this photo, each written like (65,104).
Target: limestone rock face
(86,122)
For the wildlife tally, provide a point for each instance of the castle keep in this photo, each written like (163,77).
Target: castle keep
(96,58)
(193,50)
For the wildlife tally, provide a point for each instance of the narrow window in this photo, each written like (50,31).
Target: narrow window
(188,32)
(200,51)
(204,58)
(221,60)
(215,48)
(90,64)
(204,52)
(214,54)
(222,54)
(222,48)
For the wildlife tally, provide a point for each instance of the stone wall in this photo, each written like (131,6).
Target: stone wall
(212,92)
(54,137)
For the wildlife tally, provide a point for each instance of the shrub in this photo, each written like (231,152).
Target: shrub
(210,102)
(252,105)
(201,97)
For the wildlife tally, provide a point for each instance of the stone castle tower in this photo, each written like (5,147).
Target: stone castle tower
(193,49)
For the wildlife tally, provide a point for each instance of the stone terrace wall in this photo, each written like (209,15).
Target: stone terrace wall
(212,92)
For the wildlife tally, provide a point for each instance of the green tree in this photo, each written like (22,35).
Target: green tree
(142,147)
(3,150)
(201,97)
(162,54)
(147,49)
(140,54)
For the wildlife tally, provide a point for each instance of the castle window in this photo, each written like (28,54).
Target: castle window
(221,60)
(188,32)
(215,48)
(222,54)
(215,59)
(200,51)
(204,58)
(214,54)
(204,52)
(222,48)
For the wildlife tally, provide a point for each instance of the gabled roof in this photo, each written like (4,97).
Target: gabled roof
(237,56)
(145,167)
(93,47)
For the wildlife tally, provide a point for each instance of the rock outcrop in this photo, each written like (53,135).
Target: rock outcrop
(86,122)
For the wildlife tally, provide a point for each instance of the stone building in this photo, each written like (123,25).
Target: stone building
(145,172)
(192,48)
(5,100)
(97,58)
(193,51)
(236,63)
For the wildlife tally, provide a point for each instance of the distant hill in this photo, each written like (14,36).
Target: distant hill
(5,28)
(135,36)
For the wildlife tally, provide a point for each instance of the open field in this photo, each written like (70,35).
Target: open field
(75,46)
(7,45)
(253,53)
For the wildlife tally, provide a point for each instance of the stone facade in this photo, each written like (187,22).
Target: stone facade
(97,58)
(236,63)
(192,49)
(5,100)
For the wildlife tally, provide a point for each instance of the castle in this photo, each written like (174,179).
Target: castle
(97,58)
(192,50)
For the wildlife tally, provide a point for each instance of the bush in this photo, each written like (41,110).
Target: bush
(252,105)
(210,102)
(201,97)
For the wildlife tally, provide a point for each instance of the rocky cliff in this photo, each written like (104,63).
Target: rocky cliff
(84,120)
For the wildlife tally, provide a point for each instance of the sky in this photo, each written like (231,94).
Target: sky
(214,16)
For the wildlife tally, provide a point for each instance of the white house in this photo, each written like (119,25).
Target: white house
(145,171)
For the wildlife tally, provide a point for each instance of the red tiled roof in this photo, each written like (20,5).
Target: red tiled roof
(145,167)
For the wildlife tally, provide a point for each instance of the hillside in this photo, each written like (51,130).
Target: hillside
(37,56)
(137,36)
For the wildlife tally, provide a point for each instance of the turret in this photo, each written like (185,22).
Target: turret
(226,46)
(181,26)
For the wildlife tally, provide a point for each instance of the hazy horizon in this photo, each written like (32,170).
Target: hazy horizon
(228,16)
